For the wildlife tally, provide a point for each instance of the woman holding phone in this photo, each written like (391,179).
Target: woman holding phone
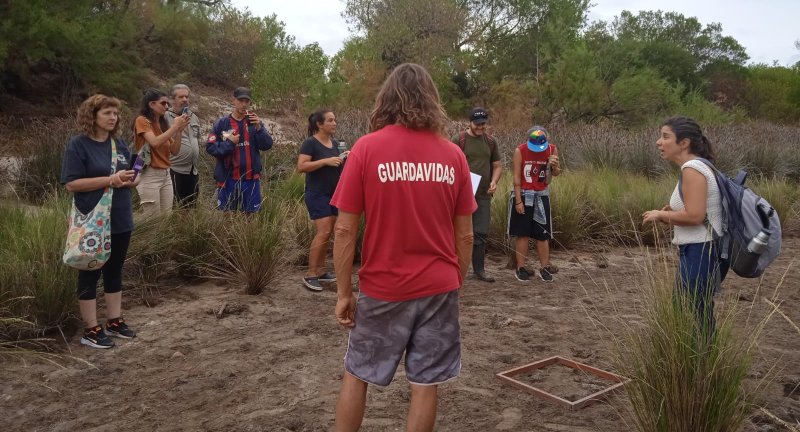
(321,161)
(155,143)
(85,173)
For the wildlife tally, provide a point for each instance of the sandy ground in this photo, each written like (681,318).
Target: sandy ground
(275,362)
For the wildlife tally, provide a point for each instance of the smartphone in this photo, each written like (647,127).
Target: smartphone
(138,163)
(250,115)
(186,111)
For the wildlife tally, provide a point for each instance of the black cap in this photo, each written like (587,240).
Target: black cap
(242,92)
(478,115)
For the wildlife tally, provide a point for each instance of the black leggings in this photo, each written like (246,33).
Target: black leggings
(186,188)
(111,270)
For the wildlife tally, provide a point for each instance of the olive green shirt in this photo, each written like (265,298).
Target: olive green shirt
(480,158)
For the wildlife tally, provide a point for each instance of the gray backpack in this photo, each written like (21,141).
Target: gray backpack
(751,229)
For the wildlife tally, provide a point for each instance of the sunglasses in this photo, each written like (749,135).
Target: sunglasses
(163,103)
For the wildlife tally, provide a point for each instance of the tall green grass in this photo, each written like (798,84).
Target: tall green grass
(31,271)
(298,233)
(192,248)
(250,248)
(783,196)
(605,205)
(683,378)
(589,206)
(41,156)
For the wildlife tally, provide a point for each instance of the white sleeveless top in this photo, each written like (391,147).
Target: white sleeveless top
(699,233)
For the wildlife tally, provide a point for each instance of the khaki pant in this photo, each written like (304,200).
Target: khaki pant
(155,191)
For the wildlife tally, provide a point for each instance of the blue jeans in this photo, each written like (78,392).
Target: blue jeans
(700,273)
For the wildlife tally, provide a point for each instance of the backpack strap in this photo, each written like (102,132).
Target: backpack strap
(725,241)
(488,139)
(491,142)
(714,171)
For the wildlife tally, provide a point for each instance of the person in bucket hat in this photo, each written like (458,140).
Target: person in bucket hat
(535,162)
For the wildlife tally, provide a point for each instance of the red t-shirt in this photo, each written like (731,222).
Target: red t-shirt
(534,167)
(410,185)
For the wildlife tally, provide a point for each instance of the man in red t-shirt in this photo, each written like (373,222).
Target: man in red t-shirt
(414,188)
(535,161)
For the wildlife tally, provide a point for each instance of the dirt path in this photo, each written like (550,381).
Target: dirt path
(277,364)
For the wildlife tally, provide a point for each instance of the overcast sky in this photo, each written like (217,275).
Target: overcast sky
(766,28)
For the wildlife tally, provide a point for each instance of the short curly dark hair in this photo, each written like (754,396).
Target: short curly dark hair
(87,112)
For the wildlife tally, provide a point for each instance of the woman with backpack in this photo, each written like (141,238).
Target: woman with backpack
(695,212)
(154,142)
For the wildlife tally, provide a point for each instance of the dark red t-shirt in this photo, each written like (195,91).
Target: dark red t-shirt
(410,185)
(534,167)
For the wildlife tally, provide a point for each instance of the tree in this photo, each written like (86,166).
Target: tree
(773,93)
(285,76)
(681,49)
(572,89)
(407,30)
(533,36)
(66,48)
(358,72)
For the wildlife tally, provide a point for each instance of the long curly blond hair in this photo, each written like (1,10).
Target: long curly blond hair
(410,98)
(87,112)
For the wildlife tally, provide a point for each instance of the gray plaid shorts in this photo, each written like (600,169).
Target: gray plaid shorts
(426,329)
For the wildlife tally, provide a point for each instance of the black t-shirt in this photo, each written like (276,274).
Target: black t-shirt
(87,158)
(325,179)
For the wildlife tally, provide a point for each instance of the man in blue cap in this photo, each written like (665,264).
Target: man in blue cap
(535,161)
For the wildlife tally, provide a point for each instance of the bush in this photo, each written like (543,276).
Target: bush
(782,195)
(192,249)
(289,189)
(352,125)
(592,205)
(569,210)
(250,248)
(153,245)
(42,153)
(298,234)
(682,378)
(40,289)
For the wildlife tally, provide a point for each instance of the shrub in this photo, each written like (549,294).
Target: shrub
(250,248)
(569,210)
(192,249)
(782,195)
(153,245)
(42,153)
(31,271)
(352,125)
(279,162)
(299,233)
(498,223)
(683,379)
(290,188)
